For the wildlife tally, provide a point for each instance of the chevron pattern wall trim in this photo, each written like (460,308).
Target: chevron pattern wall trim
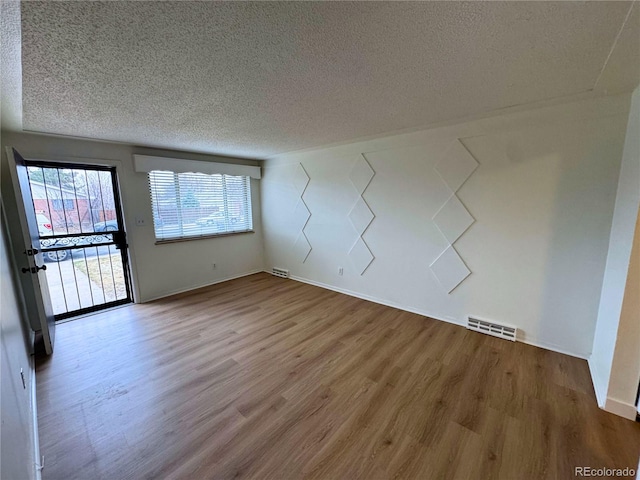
(453,218)
(361,215)
(301,247)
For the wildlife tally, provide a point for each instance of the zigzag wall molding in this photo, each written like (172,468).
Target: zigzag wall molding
(361,215)
(453,219)
(301,215)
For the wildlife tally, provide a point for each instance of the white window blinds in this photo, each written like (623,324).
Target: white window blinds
(190,205)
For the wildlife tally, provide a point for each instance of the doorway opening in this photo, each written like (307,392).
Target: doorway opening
(82,237)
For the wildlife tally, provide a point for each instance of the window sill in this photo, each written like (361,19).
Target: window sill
(202,237)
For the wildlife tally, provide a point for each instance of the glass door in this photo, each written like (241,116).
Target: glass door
(82,236)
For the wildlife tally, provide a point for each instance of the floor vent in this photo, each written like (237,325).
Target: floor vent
(495,329)
(280,272)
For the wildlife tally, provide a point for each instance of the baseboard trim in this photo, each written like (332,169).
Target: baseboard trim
(598,385)
(373,299)
(37,464)
(195,287)
(528,341)
(622,409)
(554,348)
(608,404)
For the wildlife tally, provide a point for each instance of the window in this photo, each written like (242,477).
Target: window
(191,205)
(59,204)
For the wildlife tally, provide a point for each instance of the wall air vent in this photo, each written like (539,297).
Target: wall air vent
(490,328)
(280,272)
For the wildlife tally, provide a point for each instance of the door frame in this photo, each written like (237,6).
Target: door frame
(34,286)
(112,167)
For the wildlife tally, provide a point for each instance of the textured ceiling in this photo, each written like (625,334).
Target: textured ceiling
(10,66)
(256,79)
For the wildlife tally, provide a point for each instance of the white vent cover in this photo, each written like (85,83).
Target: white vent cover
(490,328)
(280,272)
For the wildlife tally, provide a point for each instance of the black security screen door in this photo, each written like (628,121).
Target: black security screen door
(81,235)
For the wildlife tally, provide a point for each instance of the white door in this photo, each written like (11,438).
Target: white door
(31,261)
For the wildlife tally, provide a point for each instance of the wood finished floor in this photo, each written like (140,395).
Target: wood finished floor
(269,378)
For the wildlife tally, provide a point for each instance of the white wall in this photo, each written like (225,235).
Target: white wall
(543,199)
(158,270)
(17,431)
(609,338)
(625,368)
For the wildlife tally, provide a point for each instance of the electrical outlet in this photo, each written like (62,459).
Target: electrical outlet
(340,271)
(214,266)
(140,222)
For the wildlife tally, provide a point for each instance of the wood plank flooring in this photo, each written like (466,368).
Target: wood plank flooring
(268,378)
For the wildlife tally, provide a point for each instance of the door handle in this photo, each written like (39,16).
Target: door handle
(33,269)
